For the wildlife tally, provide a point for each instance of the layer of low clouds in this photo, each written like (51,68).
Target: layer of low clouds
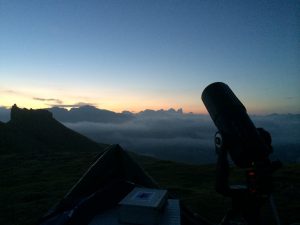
(75,105)
(56,101)
(180,138)
(47,99)
(187,138)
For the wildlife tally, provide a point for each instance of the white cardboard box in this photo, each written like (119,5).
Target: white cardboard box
(143,206)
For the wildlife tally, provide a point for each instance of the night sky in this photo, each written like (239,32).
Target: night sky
(137,54)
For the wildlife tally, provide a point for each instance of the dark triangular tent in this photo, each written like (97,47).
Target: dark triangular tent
(111,177)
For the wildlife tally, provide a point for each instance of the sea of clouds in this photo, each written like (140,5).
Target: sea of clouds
(187,137)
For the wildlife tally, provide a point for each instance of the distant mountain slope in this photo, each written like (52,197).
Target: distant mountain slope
(4,114)
(37,130)
(89,114)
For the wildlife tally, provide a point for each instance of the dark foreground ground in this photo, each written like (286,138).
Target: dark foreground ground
(31,183)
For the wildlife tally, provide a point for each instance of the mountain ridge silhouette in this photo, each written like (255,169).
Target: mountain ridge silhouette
(37,130)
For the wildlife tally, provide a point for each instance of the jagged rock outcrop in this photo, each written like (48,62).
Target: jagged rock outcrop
(28,116)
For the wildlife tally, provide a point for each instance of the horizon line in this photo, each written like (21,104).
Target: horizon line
(137,112)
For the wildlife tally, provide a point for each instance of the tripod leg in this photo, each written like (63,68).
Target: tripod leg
(274,210)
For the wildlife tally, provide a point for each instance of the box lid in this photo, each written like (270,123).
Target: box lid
(145,197)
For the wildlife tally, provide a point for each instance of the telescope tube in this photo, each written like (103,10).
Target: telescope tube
(241,138)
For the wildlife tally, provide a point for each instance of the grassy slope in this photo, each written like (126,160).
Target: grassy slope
(31,183)
(194,184)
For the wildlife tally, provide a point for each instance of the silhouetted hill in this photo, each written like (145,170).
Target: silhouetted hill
(89,114)
(37,130)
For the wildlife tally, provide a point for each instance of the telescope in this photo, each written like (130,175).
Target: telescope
(249,148)
(246,144)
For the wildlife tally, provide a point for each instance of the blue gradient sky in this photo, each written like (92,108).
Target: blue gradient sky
(137,54)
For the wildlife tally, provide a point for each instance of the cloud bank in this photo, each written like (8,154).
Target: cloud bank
(187,138)
(56,101)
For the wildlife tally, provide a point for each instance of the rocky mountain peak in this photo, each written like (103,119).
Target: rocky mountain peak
(19,115)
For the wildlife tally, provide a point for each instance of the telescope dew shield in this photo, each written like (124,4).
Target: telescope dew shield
(240,136)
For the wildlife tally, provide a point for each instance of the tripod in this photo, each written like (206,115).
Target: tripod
(248,199)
